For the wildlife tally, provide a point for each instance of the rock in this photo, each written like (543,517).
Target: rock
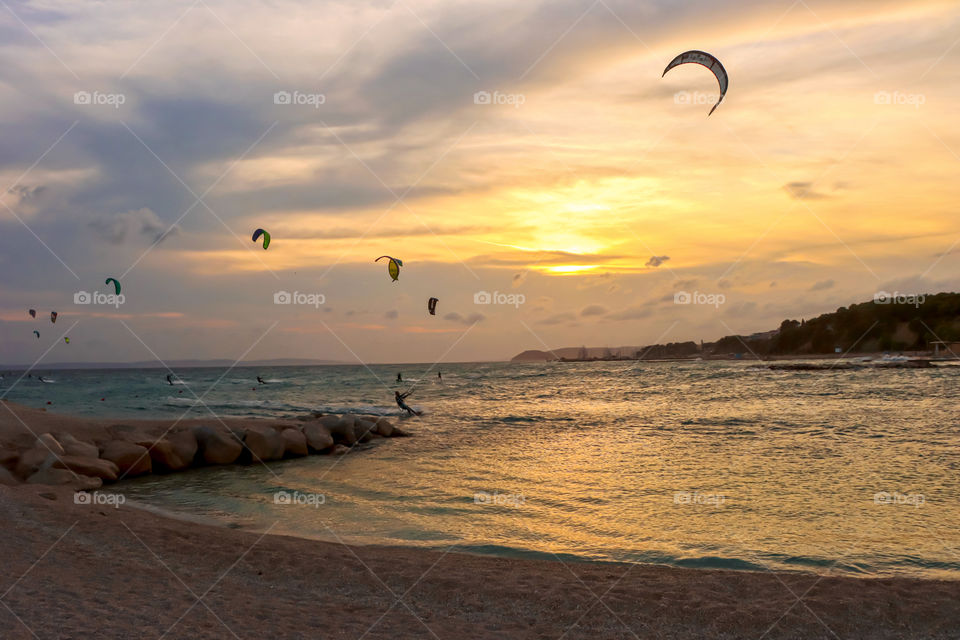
(264,444)
(131,459)
(7,478)
(328,421)
(399,433)
(184,445)
(364,430)
(32,460)
(216,447)
(294,443)
(62,476)
(164,456)
(8,458)
(339,450)
(318,438)
(96,467)
(49,495)
(74,447)
(384,427)
(48,442)
(343,432)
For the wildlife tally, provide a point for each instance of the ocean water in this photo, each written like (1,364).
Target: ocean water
(707,464)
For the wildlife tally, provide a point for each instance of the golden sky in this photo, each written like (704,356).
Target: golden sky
(826,175)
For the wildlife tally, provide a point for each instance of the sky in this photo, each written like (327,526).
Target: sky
(588,196)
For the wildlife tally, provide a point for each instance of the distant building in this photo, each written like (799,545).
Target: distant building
(944,349)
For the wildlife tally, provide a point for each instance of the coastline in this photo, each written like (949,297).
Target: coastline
(76,570)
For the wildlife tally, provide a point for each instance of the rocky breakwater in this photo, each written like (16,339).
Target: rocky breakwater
(60,458)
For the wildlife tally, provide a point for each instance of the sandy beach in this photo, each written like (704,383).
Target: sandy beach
(86,570)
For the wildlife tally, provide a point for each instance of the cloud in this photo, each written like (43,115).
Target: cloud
(635,312)
(822,285)
(593,310)
(803,191)
(558,318)
(656,261)
(146,224)
(471,319)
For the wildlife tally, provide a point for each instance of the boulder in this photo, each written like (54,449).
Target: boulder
(48,442)
(339,450)
(343,431)
(294,443)
(96,467)
(165,457)
(8,458)
(7,478)
(74,447)
(328,421)
(399,433)
(52,476)
(364,429)
(264,443)
(32,460)
(184,445)
(318,438)
(384,427)
(216,447)
(131,459)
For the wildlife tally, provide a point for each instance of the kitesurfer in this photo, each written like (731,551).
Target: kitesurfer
(400,397)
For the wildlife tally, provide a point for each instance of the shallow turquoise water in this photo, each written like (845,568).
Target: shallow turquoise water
(711,464)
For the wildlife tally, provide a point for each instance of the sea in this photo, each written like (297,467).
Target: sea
(690,464)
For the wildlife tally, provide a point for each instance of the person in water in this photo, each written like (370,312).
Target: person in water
(400,397)
(260,380)
(40,378)
(169,381)
(439,376)
(399,377)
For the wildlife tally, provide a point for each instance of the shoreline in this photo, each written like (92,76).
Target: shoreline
(83,570)
(87,569)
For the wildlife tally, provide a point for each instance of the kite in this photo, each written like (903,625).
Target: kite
(432,306)
(36,333)
(116,284)
(708,61)
(67,340)
(53,316)
(33,313)
(393,267)
(266,237)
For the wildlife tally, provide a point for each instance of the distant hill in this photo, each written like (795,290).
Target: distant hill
(153,364)
(866,327)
